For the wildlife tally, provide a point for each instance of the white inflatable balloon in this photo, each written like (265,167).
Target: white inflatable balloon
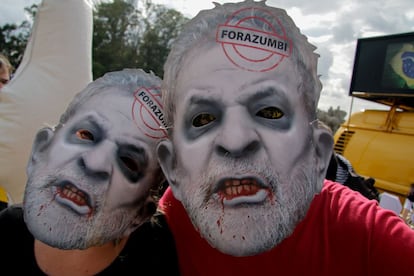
(57,64)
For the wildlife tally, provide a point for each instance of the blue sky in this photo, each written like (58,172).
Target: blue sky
(332,25)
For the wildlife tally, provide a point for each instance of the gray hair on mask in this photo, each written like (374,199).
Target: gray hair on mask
(201,30)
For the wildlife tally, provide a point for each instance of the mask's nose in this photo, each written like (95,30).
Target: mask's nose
(98,162)
(238,136)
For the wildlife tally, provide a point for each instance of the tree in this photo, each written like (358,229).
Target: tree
(125,36)
(112,49)
(162,26)
(14,38)
(332,118)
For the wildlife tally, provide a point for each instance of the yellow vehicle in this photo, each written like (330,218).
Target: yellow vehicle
(380,143)
(4,198)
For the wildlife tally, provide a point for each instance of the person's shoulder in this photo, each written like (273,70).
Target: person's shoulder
(16,240)
(351,209)
(153,244)
(335,189)
(346,204)
(12,215)
(12,222)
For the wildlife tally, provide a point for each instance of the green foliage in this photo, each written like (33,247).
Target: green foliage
(162,26)
(14,38)
(332,118)
(123,36)
(112,49)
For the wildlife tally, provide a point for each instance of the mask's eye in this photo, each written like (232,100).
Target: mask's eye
(133,162)
(270,112)
(85,134)
(203,119)
(130,163)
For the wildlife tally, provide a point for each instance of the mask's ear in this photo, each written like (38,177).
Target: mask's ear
(41,142)
(323,140)
(167,160)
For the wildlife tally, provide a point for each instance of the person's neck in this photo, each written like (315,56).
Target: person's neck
(90,261)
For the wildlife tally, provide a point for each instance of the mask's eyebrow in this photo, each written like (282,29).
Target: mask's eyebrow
(201,100)
(92,120)
(265,92)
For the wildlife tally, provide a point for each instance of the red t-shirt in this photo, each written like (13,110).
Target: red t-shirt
(343,233)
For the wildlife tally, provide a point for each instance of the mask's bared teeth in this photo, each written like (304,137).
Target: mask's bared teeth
(245,187)
(247,182)
(239,189)
(254,189)
(228,190)
(71,193)
(234,190)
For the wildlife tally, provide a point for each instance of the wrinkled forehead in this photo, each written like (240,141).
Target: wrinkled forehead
(250,41)
(142,105)
(252,38)
(148,112)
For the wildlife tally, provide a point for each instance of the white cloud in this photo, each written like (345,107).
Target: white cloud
(12,11)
